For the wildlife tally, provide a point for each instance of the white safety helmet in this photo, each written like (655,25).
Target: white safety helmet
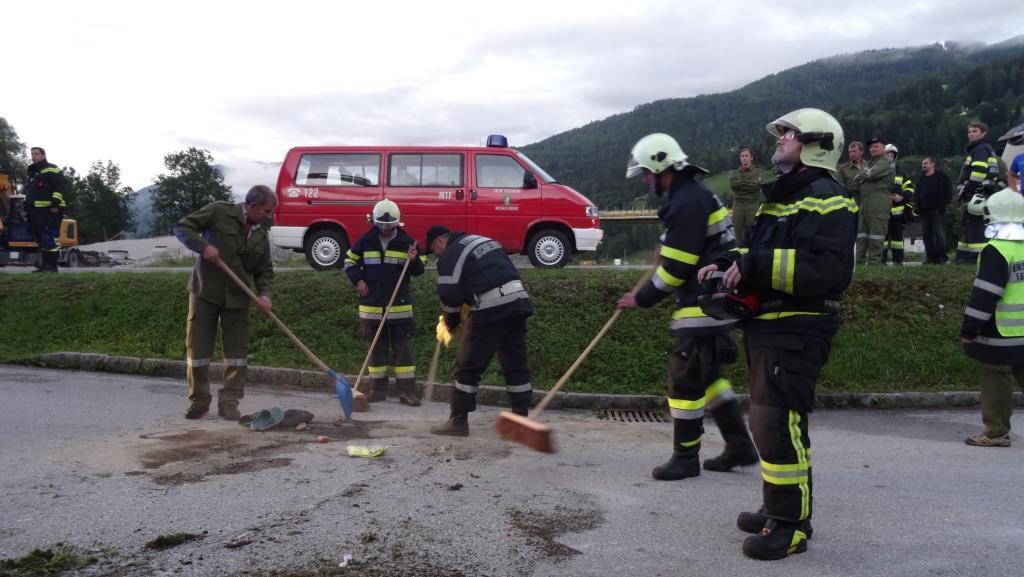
(1004,214)
(976,205)
(386,212)
(656,152)
(820,133)
(892,148)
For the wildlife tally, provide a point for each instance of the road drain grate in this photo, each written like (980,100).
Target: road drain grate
(632,416)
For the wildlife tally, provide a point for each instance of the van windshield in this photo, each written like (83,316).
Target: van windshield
(536,169)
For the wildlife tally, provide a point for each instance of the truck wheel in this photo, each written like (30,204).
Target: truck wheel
(326,249)
(548,249)
(72,260)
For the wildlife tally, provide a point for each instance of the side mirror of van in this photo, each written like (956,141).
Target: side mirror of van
(529,180)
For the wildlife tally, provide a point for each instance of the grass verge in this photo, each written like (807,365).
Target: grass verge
(899,332)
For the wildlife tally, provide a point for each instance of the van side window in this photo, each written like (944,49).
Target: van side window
(425,170)
(338,170)
(498,171)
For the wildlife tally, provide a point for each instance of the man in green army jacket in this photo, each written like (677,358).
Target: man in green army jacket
(233,234)
(848,170)
(875,181)
(745,183)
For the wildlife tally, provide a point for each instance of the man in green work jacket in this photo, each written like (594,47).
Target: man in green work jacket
(235,235)
(745,183)
(875,181)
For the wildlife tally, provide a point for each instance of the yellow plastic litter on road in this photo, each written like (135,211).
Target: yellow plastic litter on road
(365,452)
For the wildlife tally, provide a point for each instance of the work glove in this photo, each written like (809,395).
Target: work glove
(443,333)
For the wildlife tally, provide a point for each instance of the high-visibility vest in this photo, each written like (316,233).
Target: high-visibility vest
(1010,309)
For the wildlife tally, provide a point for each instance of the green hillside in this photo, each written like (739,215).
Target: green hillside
(920,97)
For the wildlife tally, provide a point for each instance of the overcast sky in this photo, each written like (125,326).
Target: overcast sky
(133,81)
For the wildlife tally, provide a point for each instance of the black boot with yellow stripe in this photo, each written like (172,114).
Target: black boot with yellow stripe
(685,460)
(776,540)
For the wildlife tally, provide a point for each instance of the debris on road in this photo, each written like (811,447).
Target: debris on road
(172,540)
(365,452)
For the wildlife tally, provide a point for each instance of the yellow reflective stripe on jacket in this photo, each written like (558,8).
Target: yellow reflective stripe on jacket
(49,170)
(667,279)
(818,205)
(679,255)
(783,265)
(396,254)
(784,314)
(687,313)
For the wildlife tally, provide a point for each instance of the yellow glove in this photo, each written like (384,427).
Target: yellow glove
(444,336)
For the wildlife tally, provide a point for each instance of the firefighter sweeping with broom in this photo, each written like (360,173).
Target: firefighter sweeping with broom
(375,264)
(698,229)
(474,270)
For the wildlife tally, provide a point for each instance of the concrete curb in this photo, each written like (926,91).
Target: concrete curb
(494,395)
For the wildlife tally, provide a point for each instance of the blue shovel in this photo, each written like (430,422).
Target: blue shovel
(341,386)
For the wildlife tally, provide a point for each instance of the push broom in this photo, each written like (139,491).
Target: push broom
(538,436)
(341,387)
(380,329)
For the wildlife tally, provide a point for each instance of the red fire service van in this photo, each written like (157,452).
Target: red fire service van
(325,194)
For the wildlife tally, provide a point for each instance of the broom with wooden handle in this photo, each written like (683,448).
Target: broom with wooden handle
(380,329)
(526,430)
(348,400)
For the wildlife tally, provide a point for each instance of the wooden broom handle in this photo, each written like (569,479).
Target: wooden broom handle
(593,343)
(309,354)
(383,320)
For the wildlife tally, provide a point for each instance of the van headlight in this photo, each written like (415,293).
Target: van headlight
(592,211)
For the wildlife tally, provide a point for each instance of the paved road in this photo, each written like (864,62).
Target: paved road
(107,461)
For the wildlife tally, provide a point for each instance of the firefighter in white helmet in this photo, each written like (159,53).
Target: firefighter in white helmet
(993,327)
(698,230)
(799,262)
(374,265)
(902,210)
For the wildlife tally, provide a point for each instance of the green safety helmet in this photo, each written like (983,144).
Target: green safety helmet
(1007,205)
(656,152)
(386,212)
(820,133)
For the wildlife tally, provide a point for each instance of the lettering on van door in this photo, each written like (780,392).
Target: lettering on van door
(445,195)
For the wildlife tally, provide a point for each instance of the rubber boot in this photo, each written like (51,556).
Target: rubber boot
(521,409)
(229,411)
(685,461)
(196,410)
(776,540)
(50,259)
(379,392)
(753,522)
(457,425)
(739,449)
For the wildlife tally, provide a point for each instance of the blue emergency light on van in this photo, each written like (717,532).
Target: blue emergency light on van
(497,141)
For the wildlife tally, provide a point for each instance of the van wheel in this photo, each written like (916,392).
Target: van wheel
(326,249)
(548,249)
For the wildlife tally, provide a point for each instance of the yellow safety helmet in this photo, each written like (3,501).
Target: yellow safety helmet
(656,152)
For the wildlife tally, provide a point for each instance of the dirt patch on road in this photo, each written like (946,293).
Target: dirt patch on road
(193,455)
(542,527)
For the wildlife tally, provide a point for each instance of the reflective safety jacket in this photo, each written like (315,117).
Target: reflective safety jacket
(698,230)
(903,186)
(800,257)
(980,170)
(379,267)
(474,270)
(46,186)
(994,317)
